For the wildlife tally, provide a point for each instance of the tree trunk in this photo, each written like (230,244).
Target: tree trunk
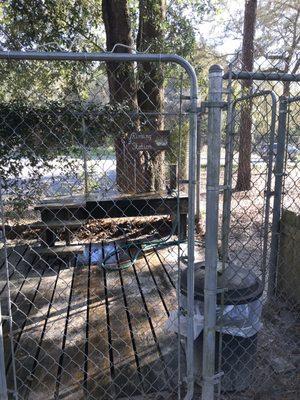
(123,95)
(244,167)
(150,89)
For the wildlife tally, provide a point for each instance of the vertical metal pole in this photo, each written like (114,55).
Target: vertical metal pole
(191,235)
(178,291)
(198,178)
(86,176)
(211,238)
(3,386)
(173,171)
(228,170)
(9,303)
(268,188)
(279,165)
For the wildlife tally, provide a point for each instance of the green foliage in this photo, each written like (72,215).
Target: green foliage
(63,23)
(27,120)
(32,135)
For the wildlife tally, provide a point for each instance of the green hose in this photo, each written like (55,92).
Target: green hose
(142,246)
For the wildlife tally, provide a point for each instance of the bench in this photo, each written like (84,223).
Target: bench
(71,213)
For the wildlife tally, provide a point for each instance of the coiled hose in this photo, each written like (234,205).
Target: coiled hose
(140,246)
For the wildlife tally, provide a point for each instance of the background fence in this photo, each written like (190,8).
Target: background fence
(261,190)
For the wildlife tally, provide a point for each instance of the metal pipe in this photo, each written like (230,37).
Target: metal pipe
(3,385)
(178,289)
(227,196)
(173,172)
(191,236)
(211,238)
(293,99)
(198,167)
(228,171)
(85,161)
(279,165)
(255,94)
(100,56)
(268,187)
(263,76)
(2,213)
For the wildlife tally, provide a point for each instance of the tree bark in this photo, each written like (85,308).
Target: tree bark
(123,95)
(244,166)
(150,90)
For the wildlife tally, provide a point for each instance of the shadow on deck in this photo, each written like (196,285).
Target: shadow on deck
(80,331)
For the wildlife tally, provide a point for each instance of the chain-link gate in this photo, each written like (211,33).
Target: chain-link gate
(98,182)
(97,196)
(251,337)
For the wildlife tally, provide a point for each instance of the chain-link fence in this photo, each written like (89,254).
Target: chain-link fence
(255,351)
(97,159)
(99,172)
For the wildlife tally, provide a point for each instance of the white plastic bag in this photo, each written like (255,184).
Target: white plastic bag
(237,320)
(240,320)
(172,322)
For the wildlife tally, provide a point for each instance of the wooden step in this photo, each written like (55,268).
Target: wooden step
(58,206)
(59,250)
(58,224)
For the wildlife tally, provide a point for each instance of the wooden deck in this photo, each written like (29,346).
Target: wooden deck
(83,332)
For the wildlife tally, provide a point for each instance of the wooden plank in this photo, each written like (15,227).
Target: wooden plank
(21,306)
(80,200)
(151,373)
(58,224)
(97,365)
(136,207)
(163,264)
(58,250)
(126,381)
(31,336)
(15,256)
(2,257)
(45,375)
(70,373)
(158,314)
(18,273)
(61,202)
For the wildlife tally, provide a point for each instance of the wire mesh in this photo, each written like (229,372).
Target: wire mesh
(94,223)
(258,334)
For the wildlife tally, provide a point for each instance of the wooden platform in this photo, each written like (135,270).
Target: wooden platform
(83,332)
(63,212)
(126,205)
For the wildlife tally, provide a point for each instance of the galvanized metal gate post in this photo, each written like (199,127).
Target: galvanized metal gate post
(3,386)
(279,166)
(211,240)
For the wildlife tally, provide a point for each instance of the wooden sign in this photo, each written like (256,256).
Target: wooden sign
(151,140)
